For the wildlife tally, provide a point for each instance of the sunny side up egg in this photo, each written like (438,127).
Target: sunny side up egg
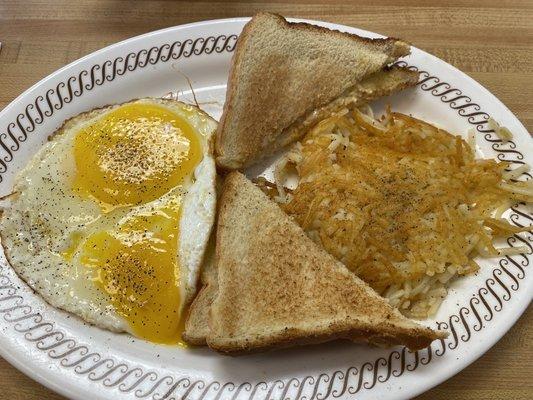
(111,218)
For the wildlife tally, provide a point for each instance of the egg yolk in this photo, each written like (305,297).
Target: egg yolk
(134,154)
(137,266)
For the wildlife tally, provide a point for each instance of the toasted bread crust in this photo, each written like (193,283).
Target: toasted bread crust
(246,128)
(291,337)
(197,322)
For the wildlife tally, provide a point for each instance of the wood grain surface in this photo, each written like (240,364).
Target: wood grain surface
(491,40)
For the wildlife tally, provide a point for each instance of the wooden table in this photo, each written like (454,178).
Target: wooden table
(492,41)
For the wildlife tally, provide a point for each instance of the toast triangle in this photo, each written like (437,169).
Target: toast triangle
(277,288)
(282,71)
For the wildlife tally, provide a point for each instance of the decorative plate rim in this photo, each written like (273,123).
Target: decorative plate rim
(59,347)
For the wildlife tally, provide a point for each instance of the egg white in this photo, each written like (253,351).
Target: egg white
(44,214)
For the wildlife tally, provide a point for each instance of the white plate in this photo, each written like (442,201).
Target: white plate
(82,361)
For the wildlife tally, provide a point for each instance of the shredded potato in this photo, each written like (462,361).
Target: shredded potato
(403,204)
(501,131)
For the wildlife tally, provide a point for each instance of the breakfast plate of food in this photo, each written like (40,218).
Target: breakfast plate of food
(259,209)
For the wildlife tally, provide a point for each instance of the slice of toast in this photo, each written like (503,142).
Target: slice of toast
(283,71)
(277,288)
